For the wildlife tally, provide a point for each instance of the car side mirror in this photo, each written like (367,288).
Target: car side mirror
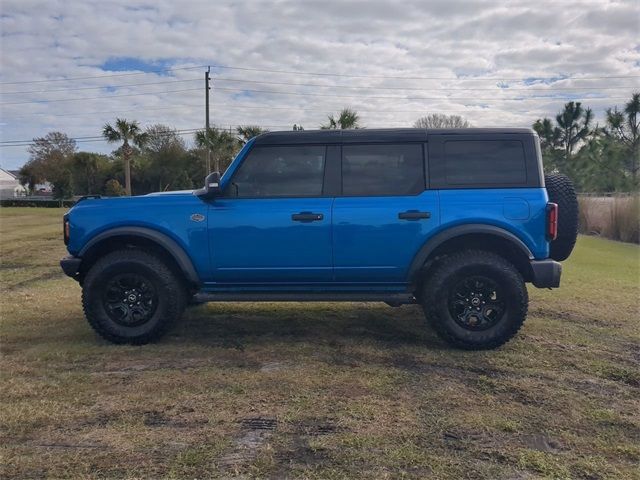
(211,187)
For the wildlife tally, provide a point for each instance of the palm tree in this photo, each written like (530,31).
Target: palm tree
(221,143)
(346,119)
(127,133)
(247,132)
(574,122)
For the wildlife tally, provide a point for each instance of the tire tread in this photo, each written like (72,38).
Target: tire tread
(561,191)
(176,302)
(447,267)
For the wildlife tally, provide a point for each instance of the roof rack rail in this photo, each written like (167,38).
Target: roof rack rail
(85,197)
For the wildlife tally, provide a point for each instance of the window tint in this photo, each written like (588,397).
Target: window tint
(382,169)
(295,171)
(485,162)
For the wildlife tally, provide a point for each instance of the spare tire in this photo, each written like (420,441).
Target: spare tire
(561,191)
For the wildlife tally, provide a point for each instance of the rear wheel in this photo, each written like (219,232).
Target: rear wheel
(131,296)
(475,299)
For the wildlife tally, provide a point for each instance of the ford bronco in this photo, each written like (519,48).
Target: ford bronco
(454,220)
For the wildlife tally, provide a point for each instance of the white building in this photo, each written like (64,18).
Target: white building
(10,186)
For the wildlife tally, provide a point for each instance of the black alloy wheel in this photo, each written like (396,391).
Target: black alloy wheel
(130,299)
(132,296)
(477,303)
(474,299)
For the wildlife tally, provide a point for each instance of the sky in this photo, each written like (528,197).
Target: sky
(73,66)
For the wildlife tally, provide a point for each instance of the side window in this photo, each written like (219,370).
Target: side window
(485,162)
(375,169)
(288,171)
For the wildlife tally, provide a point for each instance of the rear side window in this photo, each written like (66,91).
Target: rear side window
(485,162)
(369,170)
(288,171)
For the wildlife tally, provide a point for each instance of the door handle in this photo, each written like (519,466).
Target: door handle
(307,217)
(414,215)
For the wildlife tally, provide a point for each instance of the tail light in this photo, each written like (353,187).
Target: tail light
(552,221)
(66,230)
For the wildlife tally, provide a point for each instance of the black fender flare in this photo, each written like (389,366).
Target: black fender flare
(171,246)
(434,242)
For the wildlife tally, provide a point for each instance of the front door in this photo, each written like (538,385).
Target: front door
(385,213)
(272,226)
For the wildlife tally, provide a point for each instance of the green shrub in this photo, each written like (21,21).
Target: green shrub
(113,188)
(17,202)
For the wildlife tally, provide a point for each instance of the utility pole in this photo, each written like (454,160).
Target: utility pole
(206,121)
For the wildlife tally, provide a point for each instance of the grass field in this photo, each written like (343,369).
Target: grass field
(317,390)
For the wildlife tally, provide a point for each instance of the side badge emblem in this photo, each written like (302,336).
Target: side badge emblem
(196,217)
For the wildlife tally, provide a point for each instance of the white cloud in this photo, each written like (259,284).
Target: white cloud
(48,40)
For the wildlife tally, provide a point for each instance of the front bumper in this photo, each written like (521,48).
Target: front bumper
(71,266)
(546,273)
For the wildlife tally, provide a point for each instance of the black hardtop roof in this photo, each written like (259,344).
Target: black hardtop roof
(376,135)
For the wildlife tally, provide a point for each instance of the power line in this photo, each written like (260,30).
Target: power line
(90,139)
(330,108)
(82,114)
(100,137)
(520,98)
(389,77)
(325,109)
(101,76)
(240,80)
(99,88)
(96,98)
(496,88)
(330,74)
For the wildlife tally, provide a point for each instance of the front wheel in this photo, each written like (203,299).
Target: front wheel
(475,300)
(131,296)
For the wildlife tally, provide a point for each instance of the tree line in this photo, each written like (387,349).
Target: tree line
(598,158)
(146,160)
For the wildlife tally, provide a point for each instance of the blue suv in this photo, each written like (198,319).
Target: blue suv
(455,220)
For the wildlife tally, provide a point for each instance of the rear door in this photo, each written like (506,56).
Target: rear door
(494,179)
(384,214)
(272,226)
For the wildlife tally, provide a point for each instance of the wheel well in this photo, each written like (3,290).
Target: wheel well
(120,242)
(483,241)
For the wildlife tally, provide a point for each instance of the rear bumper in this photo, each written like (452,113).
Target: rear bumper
(546,273)
(71,266)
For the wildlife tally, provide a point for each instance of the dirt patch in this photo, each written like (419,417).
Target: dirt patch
(468,439)
(182,364)
(254,434)
(314,427)
(542,443)
(269,367)
(301,453)
(583,320)
(31,281)
(155,419)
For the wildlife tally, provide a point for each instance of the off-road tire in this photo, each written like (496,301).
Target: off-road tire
(561,191)
(448,272)
(169,289)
